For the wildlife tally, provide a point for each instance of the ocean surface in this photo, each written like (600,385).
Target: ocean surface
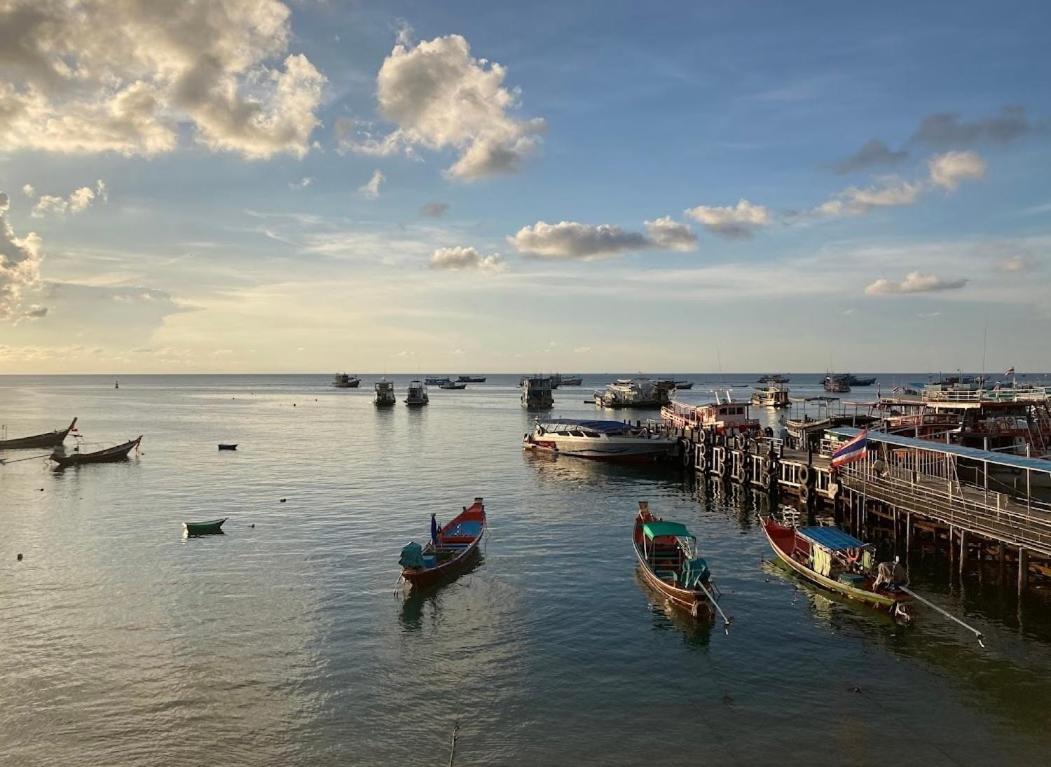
(284,641)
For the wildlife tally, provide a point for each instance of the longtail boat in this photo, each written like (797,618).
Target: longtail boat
(451,550)
(227,445)
(838,562)
(108,455)
(669,562)
(214,527)
(50,439)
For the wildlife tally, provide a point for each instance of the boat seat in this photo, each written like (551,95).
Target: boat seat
(667,575)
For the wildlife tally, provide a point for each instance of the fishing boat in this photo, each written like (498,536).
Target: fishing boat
(108,455)
(453,386)
(471,379)
(639,392)
(451,550)
(536,393)
(345,381)
(227,445)
(416,395)
(836,384)
(193,529)
(683,385)
(772,395)
(776,378)
(600,441)
(435,381)
(853,380)
(385,396)
(839,562)
(50,439)
(668,559)
(720,417)
(570,380)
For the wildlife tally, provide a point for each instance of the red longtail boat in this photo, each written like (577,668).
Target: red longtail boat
(452,549)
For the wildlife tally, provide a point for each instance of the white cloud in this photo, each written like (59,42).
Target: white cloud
(738,222)
(949,169)
(303,183)
(464,258)
(371,189)
(1016,264)
(29,191)
(856,201)
(569,240)
(439,96)
(20,259)
(125,77)
(666,233)
(78,201)
(914,282)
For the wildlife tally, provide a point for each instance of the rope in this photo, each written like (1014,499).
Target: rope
(978,634)
(452,745)
(30,458)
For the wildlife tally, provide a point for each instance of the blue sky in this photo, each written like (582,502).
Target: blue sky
(611,186)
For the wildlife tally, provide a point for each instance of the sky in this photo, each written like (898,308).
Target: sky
(266,186)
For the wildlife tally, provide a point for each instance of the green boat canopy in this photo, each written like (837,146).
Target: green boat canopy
(656,529)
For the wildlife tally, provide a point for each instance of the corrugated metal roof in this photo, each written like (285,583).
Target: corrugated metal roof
(830,537)
(1000,459)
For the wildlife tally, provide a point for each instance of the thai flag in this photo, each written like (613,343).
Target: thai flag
(855,450)
(1010,371)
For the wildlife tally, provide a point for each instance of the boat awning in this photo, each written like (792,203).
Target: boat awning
(972,453)
(831,538)
(603,427)
(658,529)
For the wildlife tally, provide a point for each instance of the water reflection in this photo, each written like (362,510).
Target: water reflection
(666,617)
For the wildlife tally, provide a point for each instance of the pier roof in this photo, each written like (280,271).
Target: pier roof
(1001,459)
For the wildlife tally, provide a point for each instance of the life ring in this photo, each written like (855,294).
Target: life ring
(804,494)
(806,475)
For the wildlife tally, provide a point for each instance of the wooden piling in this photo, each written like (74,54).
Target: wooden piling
(1023,570)
(963,550)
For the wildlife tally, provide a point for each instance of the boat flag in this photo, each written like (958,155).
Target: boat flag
(1010,371)
(852,451)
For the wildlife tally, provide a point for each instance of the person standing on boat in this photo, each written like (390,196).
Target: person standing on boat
(890,575)
(436,530)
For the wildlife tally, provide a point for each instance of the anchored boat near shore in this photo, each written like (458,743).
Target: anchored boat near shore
(48,439)
(451,550)
(600,441)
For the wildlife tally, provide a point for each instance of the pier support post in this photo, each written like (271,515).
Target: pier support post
(1002,564)
(1023,570)
(963,550)
(908,534)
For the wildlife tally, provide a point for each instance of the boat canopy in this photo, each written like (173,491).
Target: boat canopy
(831,538)
(659,529)
(603,427)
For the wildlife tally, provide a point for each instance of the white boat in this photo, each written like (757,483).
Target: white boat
(771,395)
(385,396)
(417,394)
(722,416)
(600,441)
(638,392)
(536,393)
(346,381)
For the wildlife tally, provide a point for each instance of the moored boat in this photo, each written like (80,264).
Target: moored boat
(536,393)
(570,380)
(471,379)
(346,381)
(108,455)
(49,439)
(436,381)
(777,378)
(720,417)
(453,385)
(837,561)
(669,562)
(385,396)
(213,527)
(772,395)
(451,550)
(227,445)
(639,392)
(416,396)
(683,385)
(837,384)
(600,441)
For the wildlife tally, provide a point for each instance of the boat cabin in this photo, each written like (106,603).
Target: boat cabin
(721,416)
(833,554)
(670,551)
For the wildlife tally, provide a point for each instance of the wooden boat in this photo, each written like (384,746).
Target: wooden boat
(214,527)
(453,385)
(416,396)
(451,550)
(471,379)
(108,455)
(227,446)
(683,385)
(669,563)
(50,439)
(836,561)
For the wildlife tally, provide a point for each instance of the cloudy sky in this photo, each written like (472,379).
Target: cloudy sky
(255,185)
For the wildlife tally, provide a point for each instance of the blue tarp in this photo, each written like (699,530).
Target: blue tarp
(830,537)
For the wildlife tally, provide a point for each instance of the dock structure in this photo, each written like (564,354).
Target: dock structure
(925,495)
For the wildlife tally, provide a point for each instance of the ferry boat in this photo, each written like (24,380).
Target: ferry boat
(435,381)
(345,381)
(721,417)
(772,395)
(570,380)
(536,393)
(385,396)
(638,392)
(600,441)
(853,380)
(417,395)
(837,384)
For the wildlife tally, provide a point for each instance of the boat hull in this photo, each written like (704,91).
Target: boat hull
(214,527)
(109,455)
(51,439)
(694,602)
(464,559)
(616,452)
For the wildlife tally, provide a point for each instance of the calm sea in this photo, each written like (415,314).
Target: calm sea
(284,642)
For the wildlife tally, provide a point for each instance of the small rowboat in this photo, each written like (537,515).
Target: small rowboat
(50,439)
(669,563)
(836,561)
(108,455)
(452,549)
(227,446)
(214,527)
